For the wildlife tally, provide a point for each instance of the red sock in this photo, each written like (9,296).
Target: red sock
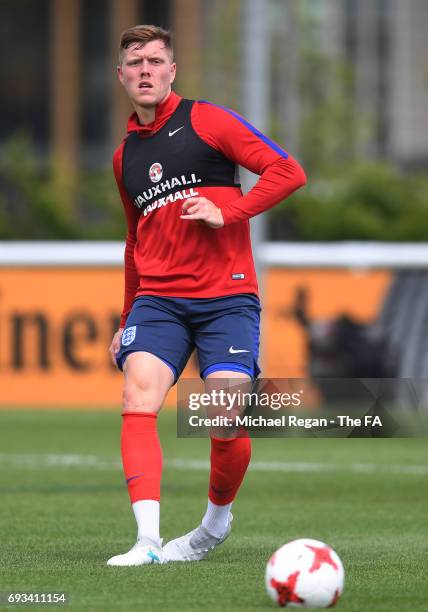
(141,456)
(229,462)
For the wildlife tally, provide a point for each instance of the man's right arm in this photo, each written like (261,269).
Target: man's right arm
(132,216)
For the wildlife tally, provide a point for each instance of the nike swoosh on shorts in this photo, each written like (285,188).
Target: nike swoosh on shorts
(233,351)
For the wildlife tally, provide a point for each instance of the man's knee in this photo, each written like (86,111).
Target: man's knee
(139,395)
(147,380)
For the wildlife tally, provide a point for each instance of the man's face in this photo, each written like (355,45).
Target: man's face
(147,73)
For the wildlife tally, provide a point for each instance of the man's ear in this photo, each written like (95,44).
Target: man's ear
(173,71)
(119,73)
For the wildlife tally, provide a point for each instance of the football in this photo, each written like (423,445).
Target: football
(305,573)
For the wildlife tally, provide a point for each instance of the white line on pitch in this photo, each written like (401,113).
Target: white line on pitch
(39,461)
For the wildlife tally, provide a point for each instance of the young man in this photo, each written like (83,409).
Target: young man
(189,275)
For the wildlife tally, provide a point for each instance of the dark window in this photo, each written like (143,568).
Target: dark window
(349,26)
(95,80)
(156,13)
(383,50)
(24,69)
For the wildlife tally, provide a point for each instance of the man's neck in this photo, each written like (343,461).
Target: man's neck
(147,114)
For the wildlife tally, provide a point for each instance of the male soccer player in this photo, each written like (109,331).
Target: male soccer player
(189,275)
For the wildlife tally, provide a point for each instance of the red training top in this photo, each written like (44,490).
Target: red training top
(182,258)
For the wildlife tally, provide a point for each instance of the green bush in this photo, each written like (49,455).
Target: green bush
(366,202)
(43,201)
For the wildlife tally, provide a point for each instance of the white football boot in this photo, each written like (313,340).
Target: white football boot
(144,552)
(195,545)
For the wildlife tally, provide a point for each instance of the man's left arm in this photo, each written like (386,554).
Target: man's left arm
(229,133)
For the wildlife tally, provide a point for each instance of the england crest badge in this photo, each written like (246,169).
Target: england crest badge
(128,335)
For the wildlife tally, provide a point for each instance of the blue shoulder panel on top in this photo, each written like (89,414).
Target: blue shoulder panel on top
(254,130)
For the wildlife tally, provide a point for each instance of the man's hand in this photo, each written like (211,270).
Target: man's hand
(201,209)
(115,345)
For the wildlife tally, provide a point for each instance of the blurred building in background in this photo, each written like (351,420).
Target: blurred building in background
(385,42)
(59,85)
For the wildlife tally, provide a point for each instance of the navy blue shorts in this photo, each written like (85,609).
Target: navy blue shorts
(225,332)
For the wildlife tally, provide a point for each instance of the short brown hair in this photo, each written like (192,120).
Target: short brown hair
(142,34)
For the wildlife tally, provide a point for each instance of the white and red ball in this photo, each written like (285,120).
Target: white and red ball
(305,573)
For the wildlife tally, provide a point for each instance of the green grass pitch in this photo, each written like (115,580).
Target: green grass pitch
(65,510)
